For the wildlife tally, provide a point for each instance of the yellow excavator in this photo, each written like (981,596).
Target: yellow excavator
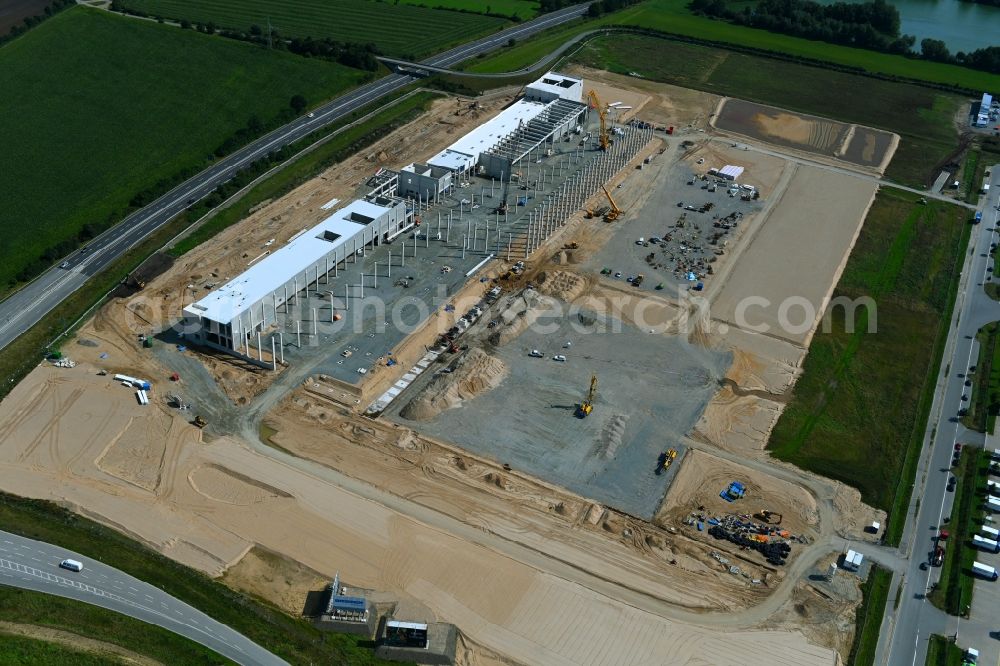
(602,113)
(615,211)
(587,406)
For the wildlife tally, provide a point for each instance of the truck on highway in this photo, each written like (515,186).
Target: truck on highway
(984,571)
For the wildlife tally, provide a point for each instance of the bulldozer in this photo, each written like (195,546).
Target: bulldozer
(615,212)
(587,406)
(768,516)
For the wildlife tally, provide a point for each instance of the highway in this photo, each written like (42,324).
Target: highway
(26,307)
(905,631)
(34,565)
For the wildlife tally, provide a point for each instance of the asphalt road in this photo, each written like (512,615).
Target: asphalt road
(23,309)
(905,633)
(34,565)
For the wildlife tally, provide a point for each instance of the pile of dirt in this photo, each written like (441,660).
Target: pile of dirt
(521,314)
(474,373)
(561,284)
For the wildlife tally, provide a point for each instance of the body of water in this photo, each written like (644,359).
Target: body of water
(963,26)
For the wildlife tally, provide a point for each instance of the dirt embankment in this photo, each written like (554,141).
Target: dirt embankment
(474,373)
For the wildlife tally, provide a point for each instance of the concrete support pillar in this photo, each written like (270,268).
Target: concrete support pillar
(298,333)
(315,323)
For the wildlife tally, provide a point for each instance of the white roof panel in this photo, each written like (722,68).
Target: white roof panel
(452,160)
(488,134)
(231,299)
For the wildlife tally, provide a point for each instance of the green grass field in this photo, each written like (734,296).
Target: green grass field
(397,29)
(523,9)
(875,593)
(45,610)
(293,639)
(942,652)
(98,107)
(984,401)
(953,593)
(859,411)
(673,17)
(22,651)
(927,134)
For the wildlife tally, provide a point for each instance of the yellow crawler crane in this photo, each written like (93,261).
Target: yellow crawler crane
(602,113)
(615,211)
(587,406)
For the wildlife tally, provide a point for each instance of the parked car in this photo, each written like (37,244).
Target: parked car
(559,357)
(534,353)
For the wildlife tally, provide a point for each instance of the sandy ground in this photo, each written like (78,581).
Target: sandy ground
(809,234)
(529,572)
(113,653)
(279,579)
(505,604)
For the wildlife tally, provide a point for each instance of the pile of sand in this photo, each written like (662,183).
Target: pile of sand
(561,284)
(521,314)
(474,373)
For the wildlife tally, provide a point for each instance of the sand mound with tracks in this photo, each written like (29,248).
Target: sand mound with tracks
(474,373)
(561,284)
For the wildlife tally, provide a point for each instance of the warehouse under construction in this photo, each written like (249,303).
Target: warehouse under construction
(499,190)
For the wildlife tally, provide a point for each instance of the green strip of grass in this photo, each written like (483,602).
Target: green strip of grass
(308,166)
(44,610)
(942,651)
(293,639)
(875,592)
(985,400)
(953,593)
(859,412)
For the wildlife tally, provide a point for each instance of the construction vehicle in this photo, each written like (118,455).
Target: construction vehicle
(665,460)
(769,516)
(200,421)
(602,113)
(615,211)
(587,406)
(733,492)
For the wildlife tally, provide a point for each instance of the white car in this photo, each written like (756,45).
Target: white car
(559,357)
(72,565)
(534,353)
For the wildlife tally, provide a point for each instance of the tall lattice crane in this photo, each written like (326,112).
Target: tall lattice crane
(602,113)
(587,406)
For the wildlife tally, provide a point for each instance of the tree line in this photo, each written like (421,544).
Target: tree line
(30,22)
(870,25)
(608,6)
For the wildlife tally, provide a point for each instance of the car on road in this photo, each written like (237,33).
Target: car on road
(64,264)
(559,357)
(71,565)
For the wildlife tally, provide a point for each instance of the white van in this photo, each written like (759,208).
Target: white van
(72,565)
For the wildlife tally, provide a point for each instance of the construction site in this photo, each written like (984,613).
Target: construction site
(500,369)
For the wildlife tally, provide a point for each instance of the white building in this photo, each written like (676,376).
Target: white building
(230,317)
(496,147)
(853,560)
(555,86)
